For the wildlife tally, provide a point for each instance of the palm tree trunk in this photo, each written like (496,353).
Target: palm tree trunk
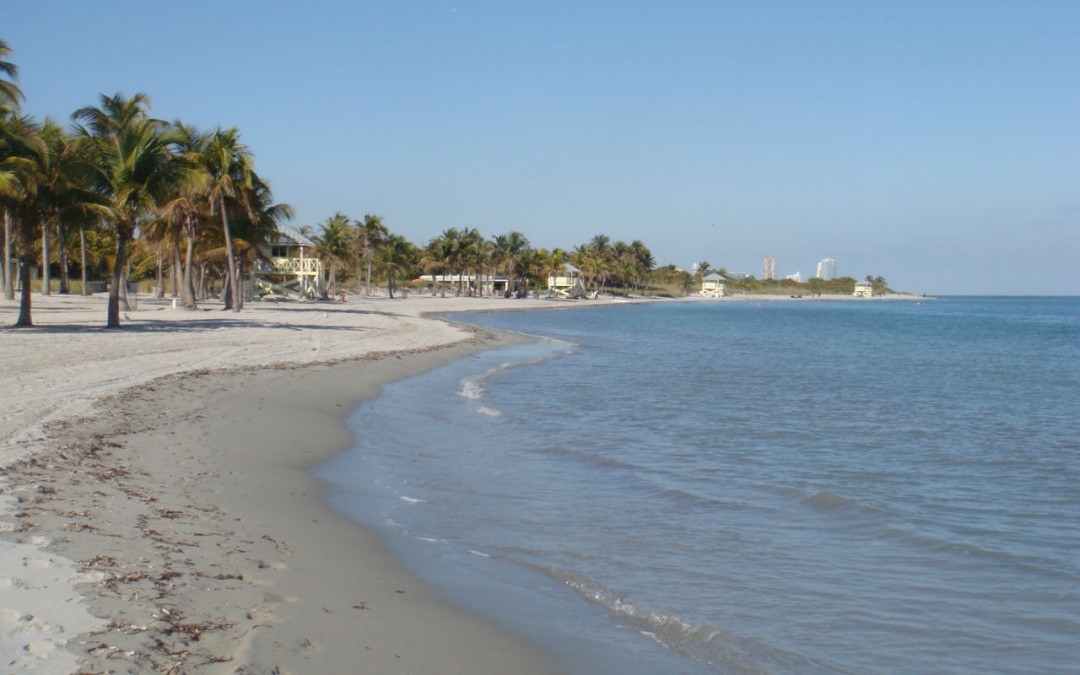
(82,257)
(226,295)
(174,270)
(125,303)
(117,281)
(159,287)
(232,259)
(239,301)
(45,280)
(24,299)
(61,255)
(9,276)
(187,288)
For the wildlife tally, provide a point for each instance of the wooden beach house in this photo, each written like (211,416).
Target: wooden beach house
(568,284)
(288,267)
(863,289)
(712,286)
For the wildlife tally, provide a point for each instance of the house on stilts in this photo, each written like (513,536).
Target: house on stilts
(713,286)
(566,283)
(288,267)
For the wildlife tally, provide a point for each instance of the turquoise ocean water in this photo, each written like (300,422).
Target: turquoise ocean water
(784,487)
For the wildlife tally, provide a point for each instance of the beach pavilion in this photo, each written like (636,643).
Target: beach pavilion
(288,266)
(712,286)
(568,284)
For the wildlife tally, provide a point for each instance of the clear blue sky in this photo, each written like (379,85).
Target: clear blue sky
(934,143)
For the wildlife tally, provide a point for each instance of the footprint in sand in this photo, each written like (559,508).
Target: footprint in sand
(271,565)
(279,597)
(9,616)
(38,563)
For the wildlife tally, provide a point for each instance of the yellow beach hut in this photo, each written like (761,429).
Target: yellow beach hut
(287,266)
(863,289)
(568,284)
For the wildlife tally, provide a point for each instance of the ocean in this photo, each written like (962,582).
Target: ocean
(740,487)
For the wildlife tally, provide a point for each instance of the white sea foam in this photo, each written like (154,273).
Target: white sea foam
(412,500)
(472,387)
(490,412)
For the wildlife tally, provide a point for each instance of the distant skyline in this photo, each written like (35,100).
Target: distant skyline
(935,144)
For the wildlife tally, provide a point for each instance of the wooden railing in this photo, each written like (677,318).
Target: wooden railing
(291,266)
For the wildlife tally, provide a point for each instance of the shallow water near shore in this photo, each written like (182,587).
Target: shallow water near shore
(787,487)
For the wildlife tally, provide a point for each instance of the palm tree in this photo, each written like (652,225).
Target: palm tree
(22,153)
(370,235)
(643,259)
(133,169)
(509,250)
(64,194)
(472,254)
(10,98)
(393,258)
(231,168)
(437,259)
(334,244)
(255,220)
(187,215)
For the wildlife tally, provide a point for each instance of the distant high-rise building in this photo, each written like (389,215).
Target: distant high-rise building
(826,269)
(768,268)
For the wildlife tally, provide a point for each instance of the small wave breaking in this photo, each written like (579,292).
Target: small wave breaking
(703,642)
(472,387)
(827,501)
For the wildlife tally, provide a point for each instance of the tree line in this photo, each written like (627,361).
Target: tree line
(117,177)
(121,195)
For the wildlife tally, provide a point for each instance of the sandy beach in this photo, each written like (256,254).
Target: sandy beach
(157,510)
(158,514)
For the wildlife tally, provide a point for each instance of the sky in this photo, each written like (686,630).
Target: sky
(934,143)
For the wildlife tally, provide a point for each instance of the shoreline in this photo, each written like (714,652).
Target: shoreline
(157,489)
(182,509)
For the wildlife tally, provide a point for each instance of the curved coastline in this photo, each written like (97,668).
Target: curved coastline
(179,504)
(156,488)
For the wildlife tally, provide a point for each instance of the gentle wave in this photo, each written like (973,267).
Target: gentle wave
(827,501)
(472,388)
(708,644)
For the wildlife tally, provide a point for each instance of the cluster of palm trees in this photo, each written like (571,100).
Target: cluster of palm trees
(462,257)
(117,174)
(126,189)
